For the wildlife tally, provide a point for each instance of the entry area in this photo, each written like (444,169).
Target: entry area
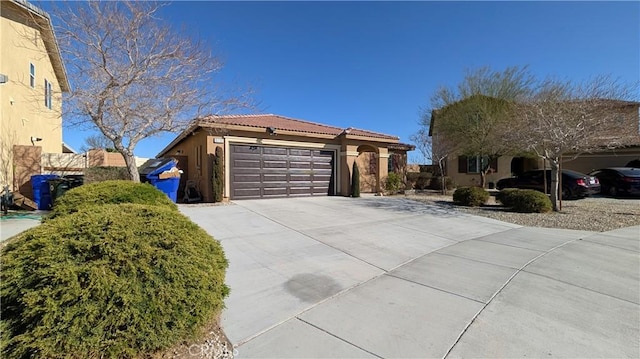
(272,172)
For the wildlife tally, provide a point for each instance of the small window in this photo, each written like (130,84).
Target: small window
(475,164)
(47,94)
(32,75)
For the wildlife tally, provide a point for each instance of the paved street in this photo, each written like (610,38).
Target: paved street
(386,277)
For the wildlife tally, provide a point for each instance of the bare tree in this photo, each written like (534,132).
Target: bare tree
(433,147)
(135,77)
(99,142)
(565,119)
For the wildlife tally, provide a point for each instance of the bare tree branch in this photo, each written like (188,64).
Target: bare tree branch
(134,77)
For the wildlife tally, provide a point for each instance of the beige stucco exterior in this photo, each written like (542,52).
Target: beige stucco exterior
(202,143)
(27,39)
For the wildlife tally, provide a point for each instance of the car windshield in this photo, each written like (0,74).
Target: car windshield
(630,172)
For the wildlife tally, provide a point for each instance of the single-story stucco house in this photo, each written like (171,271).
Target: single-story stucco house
(268,156)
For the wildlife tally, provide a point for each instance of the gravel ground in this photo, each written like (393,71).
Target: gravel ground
(597,214)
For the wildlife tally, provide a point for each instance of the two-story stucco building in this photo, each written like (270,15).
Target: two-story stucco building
(465,170)
(32,80)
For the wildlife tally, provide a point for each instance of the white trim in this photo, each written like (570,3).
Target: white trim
(271,142)
(349,153)
(383,155)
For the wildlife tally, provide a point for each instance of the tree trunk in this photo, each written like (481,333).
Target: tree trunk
(443,181)
(483,178)
(555,175)
(130,160)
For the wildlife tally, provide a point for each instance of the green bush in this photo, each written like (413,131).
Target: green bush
(112,281)
(419,180)
(218,176)
(470,196)
(100,174)
(394,183)
(109,192)
(530,201)
(355,181)
(506,196)
(436,183)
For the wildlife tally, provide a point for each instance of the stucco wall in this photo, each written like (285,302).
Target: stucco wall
(346,152)
(22,108)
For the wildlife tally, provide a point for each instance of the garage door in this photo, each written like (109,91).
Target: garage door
(270,172)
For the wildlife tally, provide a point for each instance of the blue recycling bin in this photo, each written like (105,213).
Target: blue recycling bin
(41,192)
(168,186)
(152,171)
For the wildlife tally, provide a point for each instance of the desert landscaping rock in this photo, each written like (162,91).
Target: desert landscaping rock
(597,214)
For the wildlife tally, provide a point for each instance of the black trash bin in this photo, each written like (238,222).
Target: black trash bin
(59,186)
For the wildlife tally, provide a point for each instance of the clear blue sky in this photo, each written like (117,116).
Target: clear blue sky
(373,65)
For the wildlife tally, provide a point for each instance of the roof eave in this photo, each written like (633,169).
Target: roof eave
(43,20)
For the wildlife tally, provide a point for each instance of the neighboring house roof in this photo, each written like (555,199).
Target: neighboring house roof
(67,149)
(607,102)
(277,122)
(43,20)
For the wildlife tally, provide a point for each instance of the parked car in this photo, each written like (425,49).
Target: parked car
(633,163)
(615,181)
(574,184)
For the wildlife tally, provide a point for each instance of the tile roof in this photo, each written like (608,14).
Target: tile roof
(277,122)
(287,124)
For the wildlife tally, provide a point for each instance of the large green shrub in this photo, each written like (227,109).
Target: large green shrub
(355,181)
(470,196)
(218,176)
(112,281)
(506,196)
(109,192)
(530,201)
(394,183)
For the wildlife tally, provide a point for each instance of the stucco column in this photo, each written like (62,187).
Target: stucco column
(383,168)
(348,155)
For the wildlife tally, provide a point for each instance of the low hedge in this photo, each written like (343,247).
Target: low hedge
(109,192)
(505,197)
(100,174)
(418,180)
(436,183)
(470,196)
(112,281)
(525,200)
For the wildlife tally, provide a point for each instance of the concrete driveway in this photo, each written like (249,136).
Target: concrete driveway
(386,277)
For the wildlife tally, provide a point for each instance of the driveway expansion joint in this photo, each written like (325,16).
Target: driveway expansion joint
(432,287)
(509,280)
(337,337)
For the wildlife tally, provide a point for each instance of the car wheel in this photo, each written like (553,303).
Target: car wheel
(566,193)
(613,191)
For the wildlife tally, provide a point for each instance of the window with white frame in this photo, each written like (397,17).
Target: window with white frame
(47,94)
(475,164)
(32,75)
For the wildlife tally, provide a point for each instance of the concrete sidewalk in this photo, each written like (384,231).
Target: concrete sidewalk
(11,226)
(387,277)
